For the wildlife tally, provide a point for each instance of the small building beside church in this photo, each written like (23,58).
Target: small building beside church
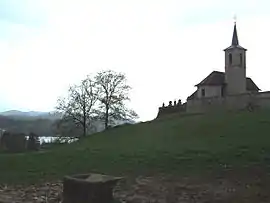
(228,90)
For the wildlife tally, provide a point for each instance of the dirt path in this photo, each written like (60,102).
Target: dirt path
(155,190)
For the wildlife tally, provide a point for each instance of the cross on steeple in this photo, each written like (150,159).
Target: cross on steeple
(234,19)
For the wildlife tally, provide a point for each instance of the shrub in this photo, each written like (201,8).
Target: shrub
(13,142)
(33,143)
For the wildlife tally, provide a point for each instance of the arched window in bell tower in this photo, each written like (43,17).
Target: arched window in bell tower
(241,59)
(230,59)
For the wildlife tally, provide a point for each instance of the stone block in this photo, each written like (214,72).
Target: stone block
(89,188)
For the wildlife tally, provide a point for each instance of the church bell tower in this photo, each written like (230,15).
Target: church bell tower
(235,66)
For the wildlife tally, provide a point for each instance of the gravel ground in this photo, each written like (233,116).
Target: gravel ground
(152,189)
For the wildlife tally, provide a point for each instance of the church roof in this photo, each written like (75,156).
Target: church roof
(217,78)
(232,47)
(193,95)
(214,78)
(235,41)
(251,86)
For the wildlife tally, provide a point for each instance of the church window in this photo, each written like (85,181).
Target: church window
(230,59)
(203,92)
(241,59)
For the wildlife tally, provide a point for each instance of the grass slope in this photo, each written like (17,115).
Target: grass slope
(191,145)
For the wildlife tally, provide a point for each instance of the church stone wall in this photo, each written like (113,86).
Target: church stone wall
(263,94)
(235,71)
(232,102)
(236,80)
(264,99)
(210,91)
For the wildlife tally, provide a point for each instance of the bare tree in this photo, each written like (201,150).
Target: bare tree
(66,127)
(79,105)
(113,92)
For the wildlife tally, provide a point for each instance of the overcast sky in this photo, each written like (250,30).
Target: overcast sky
(165,47)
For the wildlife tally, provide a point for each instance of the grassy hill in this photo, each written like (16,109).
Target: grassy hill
(191,145)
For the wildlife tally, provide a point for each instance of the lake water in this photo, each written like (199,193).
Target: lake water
(52,139)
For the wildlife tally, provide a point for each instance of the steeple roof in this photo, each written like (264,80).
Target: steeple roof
(235,41)
(235,37)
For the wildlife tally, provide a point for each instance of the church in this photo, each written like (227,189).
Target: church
(228,90)
(233,80)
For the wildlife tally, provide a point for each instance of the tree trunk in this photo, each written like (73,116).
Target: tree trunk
(84,129)
(107,117)
(84,119)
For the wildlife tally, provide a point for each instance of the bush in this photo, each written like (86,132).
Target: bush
(13,142)
(33,143)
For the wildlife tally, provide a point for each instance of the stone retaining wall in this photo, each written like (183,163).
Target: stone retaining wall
(232,102)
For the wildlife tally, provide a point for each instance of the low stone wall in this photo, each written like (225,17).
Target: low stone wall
(232,102)
(263,94)
(166,110)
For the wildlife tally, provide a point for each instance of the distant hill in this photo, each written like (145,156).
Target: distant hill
(42,127)
(31,115)
(42,123)
(37,122)
(21,113)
